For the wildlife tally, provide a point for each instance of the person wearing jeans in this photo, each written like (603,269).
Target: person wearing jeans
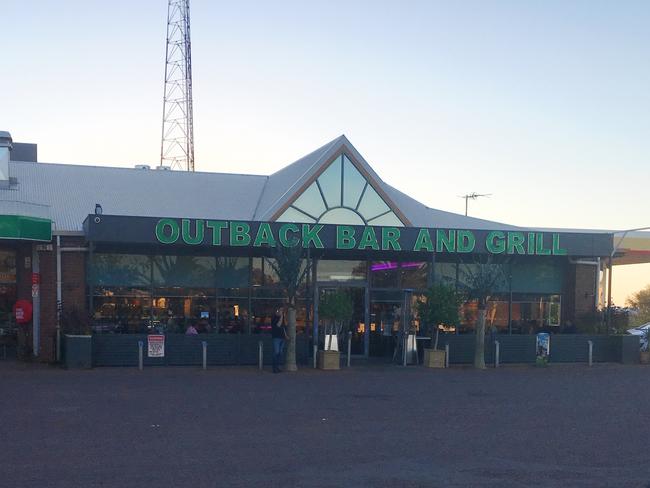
(279,335)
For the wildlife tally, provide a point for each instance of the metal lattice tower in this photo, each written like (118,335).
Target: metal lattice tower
(177,146)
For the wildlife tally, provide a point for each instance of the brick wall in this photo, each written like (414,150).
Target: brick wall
(585,278)
(578,297)
(73,286)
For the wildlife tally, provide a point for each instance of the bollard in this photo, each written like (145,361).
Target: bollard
(349,347)
(591,352)
(58,344)
(204,344)
(497,349)
(447,355)
(140,358)
(404,344)
(315,354)
(260,355)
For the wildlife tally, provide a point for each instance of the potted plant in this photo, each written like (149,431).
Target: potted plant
(438,307)
(644,357)
(337,310)
(77,340)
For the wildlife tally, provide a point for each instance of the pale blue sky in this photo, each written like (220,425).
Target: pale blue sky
(546,105)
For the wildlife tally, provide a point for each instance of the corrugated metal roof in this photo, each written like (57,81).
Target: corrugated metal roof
(422,216)
(71,192)
(282,184)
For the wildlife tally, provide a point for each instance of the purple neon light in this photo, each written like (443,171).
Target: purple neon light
(393,265)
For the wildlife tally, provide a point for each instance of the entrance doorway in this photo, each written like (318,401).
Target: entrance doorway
(385,323)
(356,325)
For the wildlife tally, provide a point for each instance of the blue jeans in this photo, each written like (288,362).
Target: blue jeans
(278,350)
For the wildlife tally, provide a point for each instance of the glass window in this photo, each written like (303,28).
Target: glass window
(174,310)
(467,272)
(341,216)
(232,315)
(263,311)
(184,271)
(389,219)
(7,266)
(353,184)
(7,301)
(330,183)
(263,272)
(384,274)
(537,277)
(530,313)
(293,215)
(123,291)
(335,270)
(7,292)
(347,198)
(232,272)
(121,314)
(121,269)
(445,273)
(311,201)
(371,204)
(414,274)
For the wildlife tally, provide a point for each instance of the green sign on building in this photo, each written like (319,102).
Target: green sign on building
(194,232)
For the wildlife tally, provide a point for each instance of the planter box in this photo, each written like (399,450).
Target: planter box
(434,358)
(78,351)
(329,360)
(645,357)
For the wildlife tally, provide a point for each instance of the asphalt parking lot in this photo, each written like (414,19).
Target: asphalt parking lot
(369,426)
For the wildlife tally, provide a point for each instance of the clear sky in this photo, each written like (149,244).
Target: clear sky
(545,105)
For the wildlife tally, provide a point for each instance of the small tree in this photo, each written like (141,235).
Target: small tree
(641,302)
(482,281)
(440,305)
(292,272)
(337,308)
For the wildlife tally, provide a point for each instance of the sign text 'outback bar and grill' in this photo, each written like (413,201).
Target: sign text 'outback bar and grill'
(239,234)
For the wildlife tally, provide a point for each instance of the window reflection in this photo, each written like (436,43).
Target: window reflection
(330,183)
(371,204)
(121,269)
(341,270)
(311,201)
(353,184)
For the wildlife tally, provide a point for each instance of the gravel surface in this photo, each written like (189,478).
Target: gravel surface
(368,426)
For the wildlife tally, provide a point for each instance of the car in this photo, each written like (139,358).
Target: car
(642,331)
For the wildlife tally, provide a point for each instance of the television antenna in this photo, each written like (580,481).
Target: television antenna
(473,196)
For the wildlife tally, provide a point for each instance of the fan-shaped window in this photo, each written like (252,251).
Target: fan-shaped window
(341,195)
(341,215)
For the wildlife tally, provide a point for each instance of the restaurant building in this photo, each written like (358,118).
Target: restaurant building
(151,250)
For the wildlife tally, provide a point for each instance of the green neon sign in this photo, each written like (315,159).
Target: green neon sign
(194,232)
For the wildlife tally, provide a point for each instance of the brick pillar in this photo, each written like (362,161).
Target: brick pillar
(585,288)
(47,261)
(24,291)
(73,276)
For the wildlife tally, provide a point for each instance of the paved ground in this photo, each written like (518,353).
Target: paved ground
(368,426)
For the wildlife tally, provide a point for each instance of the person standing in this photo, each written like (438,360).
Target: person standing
(279,335)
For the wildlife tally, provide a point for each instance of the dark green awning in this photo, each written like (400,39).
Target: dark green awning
(25,228)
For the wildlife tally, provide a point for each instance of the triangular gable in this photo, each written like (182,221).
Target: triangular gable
(343,189)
